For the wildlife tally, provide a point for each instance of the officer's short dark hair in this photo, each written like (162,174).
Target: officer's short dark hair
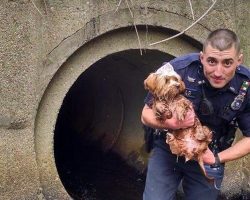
(222,39)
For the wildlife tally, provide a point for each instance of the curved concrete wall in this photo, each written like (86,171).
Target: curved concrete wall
(86,56)
(47,45)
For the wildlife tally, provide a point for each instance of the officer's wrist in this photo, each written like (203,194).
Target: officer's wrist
(220,159)
(217,162)
(217,159)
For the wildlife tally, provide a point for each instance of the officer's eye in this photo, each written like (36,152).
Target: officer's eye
(211,61)
(228,63)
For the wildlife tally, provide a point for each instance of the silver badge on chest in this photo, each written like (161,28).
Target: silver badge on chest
(236,104)
(238,100)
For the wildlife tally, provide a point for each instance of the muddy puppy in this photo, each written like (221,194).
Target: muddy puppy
(167,88)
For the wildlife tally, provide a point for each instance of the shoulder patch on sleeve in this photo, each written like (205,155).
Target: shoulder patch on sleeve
(243,70)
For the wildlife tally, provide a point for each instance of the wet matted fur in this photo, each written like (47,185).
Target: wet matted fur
(167,88)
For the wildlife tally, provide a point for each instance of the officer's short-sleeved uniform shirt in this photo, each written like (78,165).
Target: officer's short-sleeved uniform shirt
(190,69)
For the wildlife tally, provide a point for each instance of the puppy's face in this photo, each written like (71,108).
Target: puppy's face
(163,86)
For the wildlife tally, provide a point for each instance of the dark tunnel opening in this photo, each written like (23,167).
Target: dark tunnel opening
(98,140)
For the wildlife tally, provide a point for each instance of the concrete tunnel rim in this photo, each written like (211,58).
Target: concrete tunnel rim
(50,182)
(79,38)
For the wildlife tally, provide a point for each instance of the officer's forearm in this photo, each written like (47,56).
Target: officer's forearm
(148,118)
(238,150)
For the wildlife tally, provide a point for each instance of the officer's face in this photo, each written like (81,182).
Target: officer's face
(219,66)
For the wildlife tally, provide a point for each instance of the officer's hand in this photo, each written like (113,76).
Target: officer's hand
(174,123)
(189,120)
(208,157)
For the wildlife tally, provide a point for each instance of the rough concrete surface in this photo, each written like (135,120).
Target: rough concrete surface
(44,47)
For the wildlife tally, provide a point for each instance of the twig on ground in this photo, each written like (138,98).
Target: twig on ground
(191,7)
(45,5)
(117,7)
(36,7)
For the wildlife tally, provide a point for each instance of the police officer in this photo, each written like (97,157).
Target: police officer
(218,86)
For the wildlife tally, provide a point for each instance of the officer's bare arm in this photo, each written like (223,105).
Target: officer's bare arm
(148,118)
(238,150)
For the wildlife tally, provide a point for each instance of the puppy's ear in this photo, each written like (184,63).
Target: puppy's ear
(150,82)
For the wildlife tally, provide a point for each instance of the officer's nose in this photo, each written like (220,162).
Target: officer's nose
(218,70)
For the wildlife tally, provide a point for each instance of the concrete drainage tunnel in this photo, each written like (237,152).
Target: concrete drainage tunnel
(98,140)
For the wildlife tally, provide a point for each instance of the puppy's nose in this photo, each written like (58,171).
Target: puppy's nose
(174,83)
(177,84)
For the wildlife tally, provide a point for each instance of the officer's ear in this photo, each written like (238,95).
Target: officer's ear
(240,59)
(201,57)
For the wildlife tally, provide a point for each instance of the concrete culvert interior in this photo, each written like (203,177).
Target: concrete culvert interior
(99,148)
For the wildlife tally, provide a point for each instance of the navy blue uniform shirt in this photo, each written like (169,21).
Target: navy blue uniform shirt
(190,69)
